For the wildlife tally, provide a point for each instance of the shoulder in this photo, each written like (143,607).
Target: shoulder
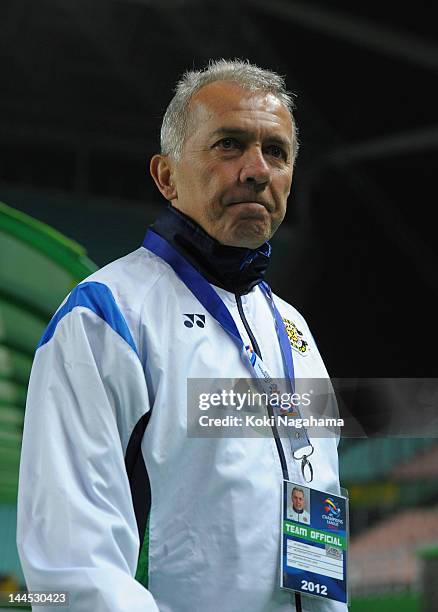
(288,310)
(131,277)
(114,294)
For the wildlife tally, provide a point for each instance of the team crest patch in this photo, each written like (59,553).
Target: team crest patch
(296,337)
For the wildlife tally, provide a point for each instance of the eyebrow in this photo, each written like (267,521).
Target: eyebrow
(233,131)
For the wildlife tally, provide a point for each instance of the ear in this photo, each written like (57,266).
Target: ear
(162,172)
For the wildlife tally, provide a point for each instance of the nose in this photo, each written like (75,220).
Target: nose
(255,171)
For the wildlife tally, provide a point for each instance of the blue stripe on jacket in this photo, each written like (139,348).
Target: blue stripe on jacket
(100,300)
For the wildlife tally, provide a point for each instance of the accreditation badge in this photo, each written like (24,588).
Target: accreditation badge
(314,543)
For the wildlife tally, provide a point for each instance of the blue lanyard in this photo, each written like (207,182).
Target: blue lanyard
(211,301)
(285,348)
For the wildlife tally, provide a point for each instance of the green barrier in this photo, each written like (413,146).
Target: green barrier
(39,266)
(400,602)
(427,579)
(67,253)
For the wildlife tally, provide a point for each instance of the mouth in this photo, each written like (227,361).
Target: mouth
(251,202)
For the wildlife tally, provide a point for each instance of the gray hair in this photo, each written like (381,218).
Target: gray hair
(176,121)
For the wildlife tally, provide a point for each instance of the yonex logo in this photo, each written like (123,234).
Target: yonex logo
(199,319)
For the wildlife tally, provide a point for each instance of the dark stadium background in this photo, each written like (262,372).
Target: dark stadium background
(84,85)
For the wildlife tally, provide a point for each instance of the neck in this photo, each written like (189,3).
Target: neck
(235,269)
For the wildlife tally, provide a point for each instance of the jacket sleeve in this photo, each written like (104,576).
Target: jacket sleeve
(76,528)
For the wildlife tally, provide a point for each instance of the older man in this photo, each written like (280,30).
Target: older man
(111,487)
(297,509)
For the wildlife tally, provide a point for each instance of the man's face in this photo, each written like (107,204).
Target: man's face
(235,172)
(298,500)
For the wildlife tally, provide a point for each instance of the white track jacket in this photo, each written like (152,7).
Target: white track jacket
(110,376)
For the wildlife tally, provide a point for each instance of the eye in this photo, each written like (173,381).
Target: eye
(276,151)
(228,144)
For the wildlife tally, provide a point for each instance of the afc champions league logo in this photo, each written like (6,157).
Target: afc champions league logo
(332,514)
(331,508)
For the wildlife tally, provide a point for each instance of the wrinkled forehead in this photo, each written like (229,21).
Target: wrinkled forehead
(222,100)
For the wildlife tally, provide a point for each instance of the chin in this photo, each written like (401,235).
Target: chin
(245,242)
(246,236)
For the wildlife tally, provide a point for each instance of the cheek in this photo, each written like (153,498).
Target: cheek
(216,180)
(191,177)
(282,195)
(284,182)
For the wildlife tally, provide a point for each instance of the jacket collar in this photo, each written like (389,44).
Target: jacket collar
(234,269)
